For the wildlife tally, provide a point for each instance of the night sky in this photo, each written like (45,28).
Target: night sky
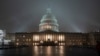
(72,15)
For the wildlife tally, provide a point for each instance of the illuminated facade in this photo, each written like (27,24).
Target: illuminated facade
(60,38)
(37,38)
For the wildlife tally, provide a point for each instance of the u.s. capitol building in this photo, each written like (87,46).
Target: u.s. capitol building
(49,33)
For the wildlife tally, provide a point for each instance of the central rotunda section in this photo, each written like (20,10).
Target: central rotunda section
(48,22)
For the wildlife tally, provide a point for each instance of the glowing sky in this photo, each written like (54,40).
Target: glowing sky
(72,15)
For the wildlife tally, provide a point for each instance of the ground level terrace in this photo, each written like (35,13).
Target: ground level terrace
(52,38)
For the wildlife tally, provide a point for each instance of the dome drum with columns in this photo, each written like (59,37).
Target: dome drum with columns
(48,22)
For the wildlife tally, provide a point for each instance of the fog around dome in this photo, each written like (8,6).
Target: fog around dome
(48,22)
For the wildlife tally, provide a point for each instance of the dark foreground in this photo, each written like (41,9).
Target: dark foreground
(49,51)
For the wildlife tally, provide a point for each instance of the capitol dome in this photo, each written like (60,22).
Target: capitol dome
(48,22)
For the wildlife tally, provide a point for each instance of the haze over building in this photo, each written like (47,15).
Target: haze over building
(24,15)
